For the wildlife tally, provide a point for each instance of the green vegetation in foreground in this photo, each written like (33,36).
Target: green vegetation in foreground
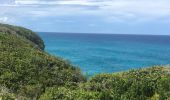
(29,73)
(142,84)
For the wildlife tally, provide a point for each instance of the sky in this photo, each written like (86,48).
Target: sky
(89,16)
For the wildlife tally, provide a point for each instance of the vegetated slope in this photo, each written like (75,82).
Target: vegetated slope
(25,33)
(27,71)
(142,84)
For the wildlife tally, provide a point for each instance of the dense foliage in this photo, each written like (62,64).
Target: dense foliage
(25,33)
(29,73)
(143,84)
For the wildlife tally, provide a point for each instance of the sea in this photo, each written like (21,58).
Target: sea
(107,53)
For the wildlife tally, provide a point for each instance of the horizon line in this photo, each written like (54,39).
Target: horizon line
(102,33)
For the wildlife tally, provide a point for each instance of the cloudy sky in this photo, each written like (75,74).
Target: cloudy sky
(89,16)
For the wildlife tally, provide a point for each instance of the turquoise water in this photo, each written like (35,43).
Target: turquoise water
(98,53)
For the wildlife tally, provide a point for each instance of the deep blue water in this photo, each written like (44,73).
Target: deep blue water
(98,53)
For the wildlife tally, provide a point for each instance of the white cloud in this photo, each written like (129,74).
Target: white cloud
(3,19)
(53,2)
(143,7)
(111,10)
(28,2)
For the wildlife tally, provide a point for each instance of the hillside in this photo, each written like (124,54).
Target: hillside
(142,84)
(23,32)
(29,73)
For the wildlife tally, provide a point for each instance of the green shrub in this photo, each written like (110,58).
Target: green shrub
(5,94)
(62,93)
(164,88)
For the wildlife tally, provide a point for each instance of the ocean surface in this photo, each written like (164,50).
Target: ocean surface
(106,53)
